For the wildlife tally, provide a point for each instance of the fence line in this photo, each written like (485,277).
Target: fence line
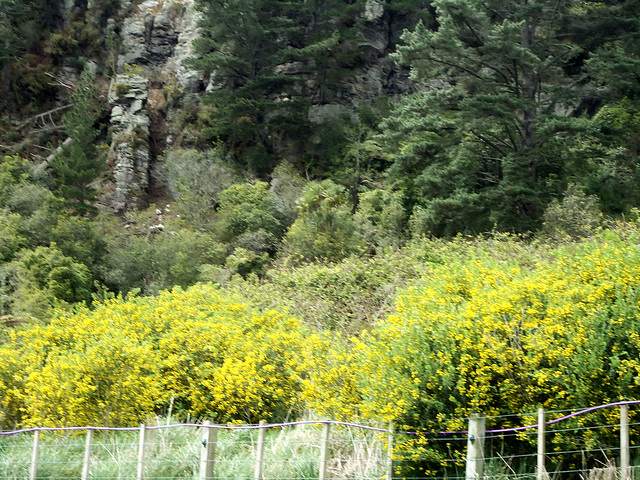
(475,461)
(150,452)
(200,425)
(320,422)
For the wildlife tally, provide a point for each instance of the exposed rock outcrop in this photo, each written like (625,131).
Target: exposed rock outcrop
(155,43)
(129,152)
(187,78)
(156,40)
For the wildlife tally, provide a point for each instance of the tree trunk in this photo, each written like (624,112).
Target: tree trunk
(530,83)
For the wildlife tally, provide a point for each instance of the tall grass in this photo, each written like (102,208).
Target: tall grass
(174,453)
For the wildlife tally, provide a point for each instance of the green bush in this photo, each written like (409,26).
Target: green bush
(47,278)
(577,216)
(325,229)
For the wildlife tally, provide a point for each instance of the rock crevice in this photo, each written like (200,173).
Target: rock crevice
(155,42)
(129,152)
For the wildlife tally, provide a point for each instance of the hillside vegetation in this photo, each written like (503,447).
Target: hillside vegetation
(512,118)
(366,209)
(492,325)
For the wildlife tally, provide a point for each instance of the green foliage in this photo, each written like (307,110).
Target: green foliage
(32,212)
(11,239)
(381,218)
(80,239)
(13,170)
(245,263)
(27,198)
(79,163)
(360,159)
(612,31)
(325,228)
(241,44)
(46,255)
(347,296)
(576,217)
(23,26)
(287,185)
(154,259)
(47,278)
(248,217)
(483,144)
(196,180)
(79,39)
(604,156)
(269,60)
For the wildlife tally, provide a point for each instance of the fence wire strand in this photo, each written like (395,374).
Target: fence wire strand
(356,452)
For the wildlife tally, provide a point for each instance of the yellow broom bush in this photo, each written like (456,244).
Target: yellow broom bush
(125,360)
(490,334)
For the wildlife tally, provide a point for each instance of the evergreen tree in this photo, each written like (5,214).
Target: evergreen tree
(79,163)
(268,61)
(240,46)
(480,145)
(23,25)
(605,156)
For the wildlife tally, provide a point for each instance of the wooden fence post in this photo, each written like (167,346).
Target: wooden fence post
(324,452)
(541,471)
(208,455)
(141,447)
(87,455)
(475,447)
(260,450)
(625,471)
(33,470)
(390,452)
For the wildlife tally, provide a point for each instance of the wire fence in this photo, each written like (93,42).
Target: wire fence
(598,443)
(288,451)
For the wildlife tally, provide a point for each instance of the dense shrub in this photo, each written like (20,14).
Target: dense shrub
(494,326)
(121,362)
(490,333)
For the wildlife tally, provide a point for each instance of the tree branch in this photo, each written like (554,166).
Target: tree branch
(489,142)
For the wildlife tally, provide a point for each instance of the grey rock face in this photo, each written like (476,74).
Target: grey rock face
(127,87)
(156,41)
(158,37)
(162,33)
(129,152)
(190,80)
(135,32)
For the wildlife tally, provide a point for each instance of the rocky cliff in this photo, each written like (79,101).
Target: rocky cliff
(155,40)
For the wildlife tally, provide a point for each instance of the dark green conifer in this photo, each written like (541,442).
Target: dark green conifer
(79,163)
(503,84)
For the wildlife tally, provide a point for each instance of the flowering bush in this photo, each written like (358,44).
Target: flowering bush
(496,336)
(494,326)
(124,360)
